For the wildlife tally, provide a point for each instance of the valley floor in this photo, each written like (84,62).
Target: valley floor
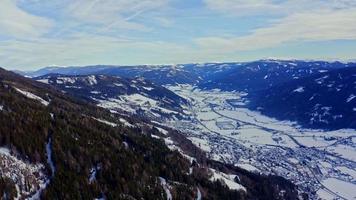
(320,163)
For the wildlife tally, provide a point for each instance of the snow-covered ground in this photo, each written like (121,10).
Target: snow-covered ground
(344,151)
(228,179)
(49,156)
(28,178)
(166,188)
(201,143)
(92,174)
(105,122)
(134,103)
(125,122)
(198,194)
(32,96)
(248,167)
(340,187)
(222,126)
(348,172)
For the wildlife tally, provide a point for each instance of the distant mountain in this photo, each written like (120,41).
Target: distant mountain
(228,76)
(159,74)
(54,146)
(135,95)
(162,74)
(64,70)
(260,75)
(323,100)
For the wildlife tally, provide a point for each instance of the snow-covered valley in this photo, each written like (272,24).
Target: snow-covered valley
(318,162)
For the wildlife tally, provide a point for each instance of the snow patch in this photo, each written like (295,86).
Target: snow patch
(155,136)
(28,178)
(43,81)
(92,80)
(299,89)
(166,188)
(49,156)
(348,171)
(93,172)
(32,96)
(105,122)
(351,97)
(119,85)
(201,143)
(66,80)
(228,179)
(198,194)
(95,92)
(72,86)
(163,131)
(125,122)
(148,88)
(342,188)
(248,167)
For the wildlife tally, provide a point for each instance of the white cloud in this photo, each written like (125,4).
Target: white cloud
(242,7)
(87,50)
(316,21)
(164,22)
(99,15)
(104,11)
(87,32)
(15,22)
(275,7)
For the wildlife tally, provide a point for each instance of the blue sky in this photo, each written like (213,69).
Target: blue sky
(37,33)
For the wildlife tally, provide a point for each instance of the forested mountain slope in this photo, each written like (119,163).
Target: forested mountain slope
(325,100)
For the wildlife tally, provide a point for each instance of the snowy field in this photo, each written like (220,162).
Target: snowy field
(134,102)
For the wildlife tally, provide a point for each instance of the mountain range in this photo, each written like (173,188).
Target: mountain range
(263,80)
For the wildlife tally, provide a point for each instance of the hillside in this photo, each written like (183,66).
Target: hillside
(326,100)
(137,96)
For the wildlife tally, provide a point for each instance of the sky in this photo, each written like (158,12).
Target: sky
(39,33)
